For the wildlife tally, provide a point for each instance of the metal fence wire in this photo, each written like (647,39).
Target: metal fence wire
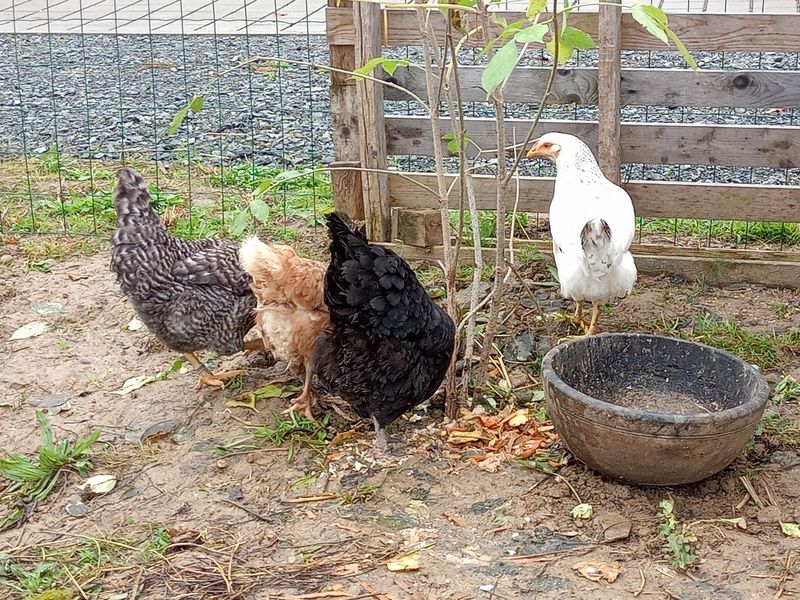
(92,84)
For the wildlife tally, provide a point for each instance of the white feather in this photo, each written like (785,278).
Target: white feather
(597,266)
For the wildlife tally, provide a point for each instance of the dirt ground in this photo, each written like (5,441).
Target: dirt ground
(256,523)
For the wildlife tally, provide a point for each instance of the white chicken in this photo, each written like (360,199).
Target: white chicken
(592,224)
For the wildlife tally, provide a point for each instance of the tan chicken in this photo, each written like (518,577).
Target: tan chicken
(290,312)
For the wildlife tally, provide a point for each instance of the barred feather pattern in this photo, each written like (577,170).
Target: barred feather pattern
(389,344)
(192,294)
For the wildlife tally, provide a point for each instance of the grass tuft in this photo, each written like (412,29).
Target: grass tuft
(32,480)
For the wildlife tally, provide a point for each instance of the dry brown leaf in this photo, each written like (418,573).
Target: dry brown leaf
(409,562)
(598,570)
(77,275)
(347,527)
(454,520)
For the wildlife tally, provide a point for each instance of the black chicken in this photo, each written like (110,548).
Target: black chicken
(192,294)
(389,344)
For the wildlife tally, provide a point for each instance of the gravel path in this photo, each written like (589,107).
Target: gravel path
(104,95)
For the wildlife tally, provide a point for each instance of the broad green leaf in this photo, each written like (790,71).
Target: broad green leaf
(535,7)
(534,33)
(500,67)
(259,209)
(498,20)
(572,36)
(687,56)
(196,105)
(564,50)
(177,120)
(452,145)
(240,223)
(390,65)
(368,68)
(658,15)
(646,19)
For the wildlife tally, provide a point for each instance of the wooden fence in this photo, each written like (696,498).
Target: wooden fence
(396,209)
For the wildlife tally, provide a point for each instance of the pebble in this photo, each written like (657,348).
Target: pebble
(768,514)
(5,259)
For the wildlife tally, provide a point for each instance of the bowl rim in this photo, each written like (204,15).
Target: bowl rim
(726,416)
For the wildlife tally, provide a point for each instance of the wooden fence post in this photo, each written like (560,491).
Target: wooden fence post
(609,30)
(375,186)
(345,185)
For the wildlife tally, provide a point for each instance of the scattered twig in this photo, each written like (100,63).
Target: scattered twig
(308,499)
(752,491)
(638,592)
(250,511)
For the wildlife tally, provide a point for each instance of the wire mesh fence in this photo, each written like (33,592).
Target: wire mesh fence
(92,85)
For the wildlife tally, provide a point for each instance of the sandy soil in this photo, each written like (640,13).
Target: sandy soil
(256,525)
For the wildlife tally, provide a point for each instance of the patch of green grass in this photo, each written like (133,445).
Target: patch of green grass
(677,538)
(752,346)
(47,571)
(34,479)
(785,429)
(738,232)
(363,492)
(294,432)
(786,390)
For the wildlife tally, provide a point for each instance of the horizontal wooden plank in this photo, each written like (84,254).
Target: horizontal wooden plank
(650,143)
(643,87)
(711,268)
(703,31)
(719,201)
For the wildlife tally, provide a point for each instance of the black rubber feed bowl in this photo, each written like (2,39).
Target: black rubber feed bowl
(652,410)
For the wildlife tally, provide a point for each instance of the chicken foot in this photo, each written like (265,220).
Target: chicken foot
(302,404)
(206,376)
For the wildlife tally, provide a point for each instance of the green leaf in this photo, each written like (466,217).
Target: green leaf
(650,18)
(177,120)
(498,20)
(368,68)
(452,144)
(535,7)
(259,209)
(572,36)
(564,50)
(687,56)
(240,223)
(196,105)
(390,65)
(500,67)
(790,529)
(534,33)
(581,511)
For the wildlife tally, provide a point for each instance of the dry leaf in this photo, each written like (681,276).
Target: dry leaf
(519,418)
(246,400)
(99,484)
(30,330)
(134,325)
(134,383)
(410,562)
(77,275)
(598,570)
(790,529)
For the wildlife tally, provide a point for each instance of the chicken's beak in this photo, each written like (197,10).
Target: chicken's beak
(535,150)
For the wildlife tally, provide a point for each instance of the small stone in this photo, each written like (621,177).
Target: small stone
(235,493)
(614,526)
(768,514)
(222,464)
(5,259)
(76,508)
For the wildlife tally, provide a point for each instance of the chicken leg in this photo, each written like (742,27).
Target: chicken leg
(206,376)
(302,404)
(253,346)
(578,316)
(592,328)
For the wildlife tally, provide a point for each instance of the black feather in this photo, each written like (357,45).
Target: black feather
(389,345)
(192,294)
